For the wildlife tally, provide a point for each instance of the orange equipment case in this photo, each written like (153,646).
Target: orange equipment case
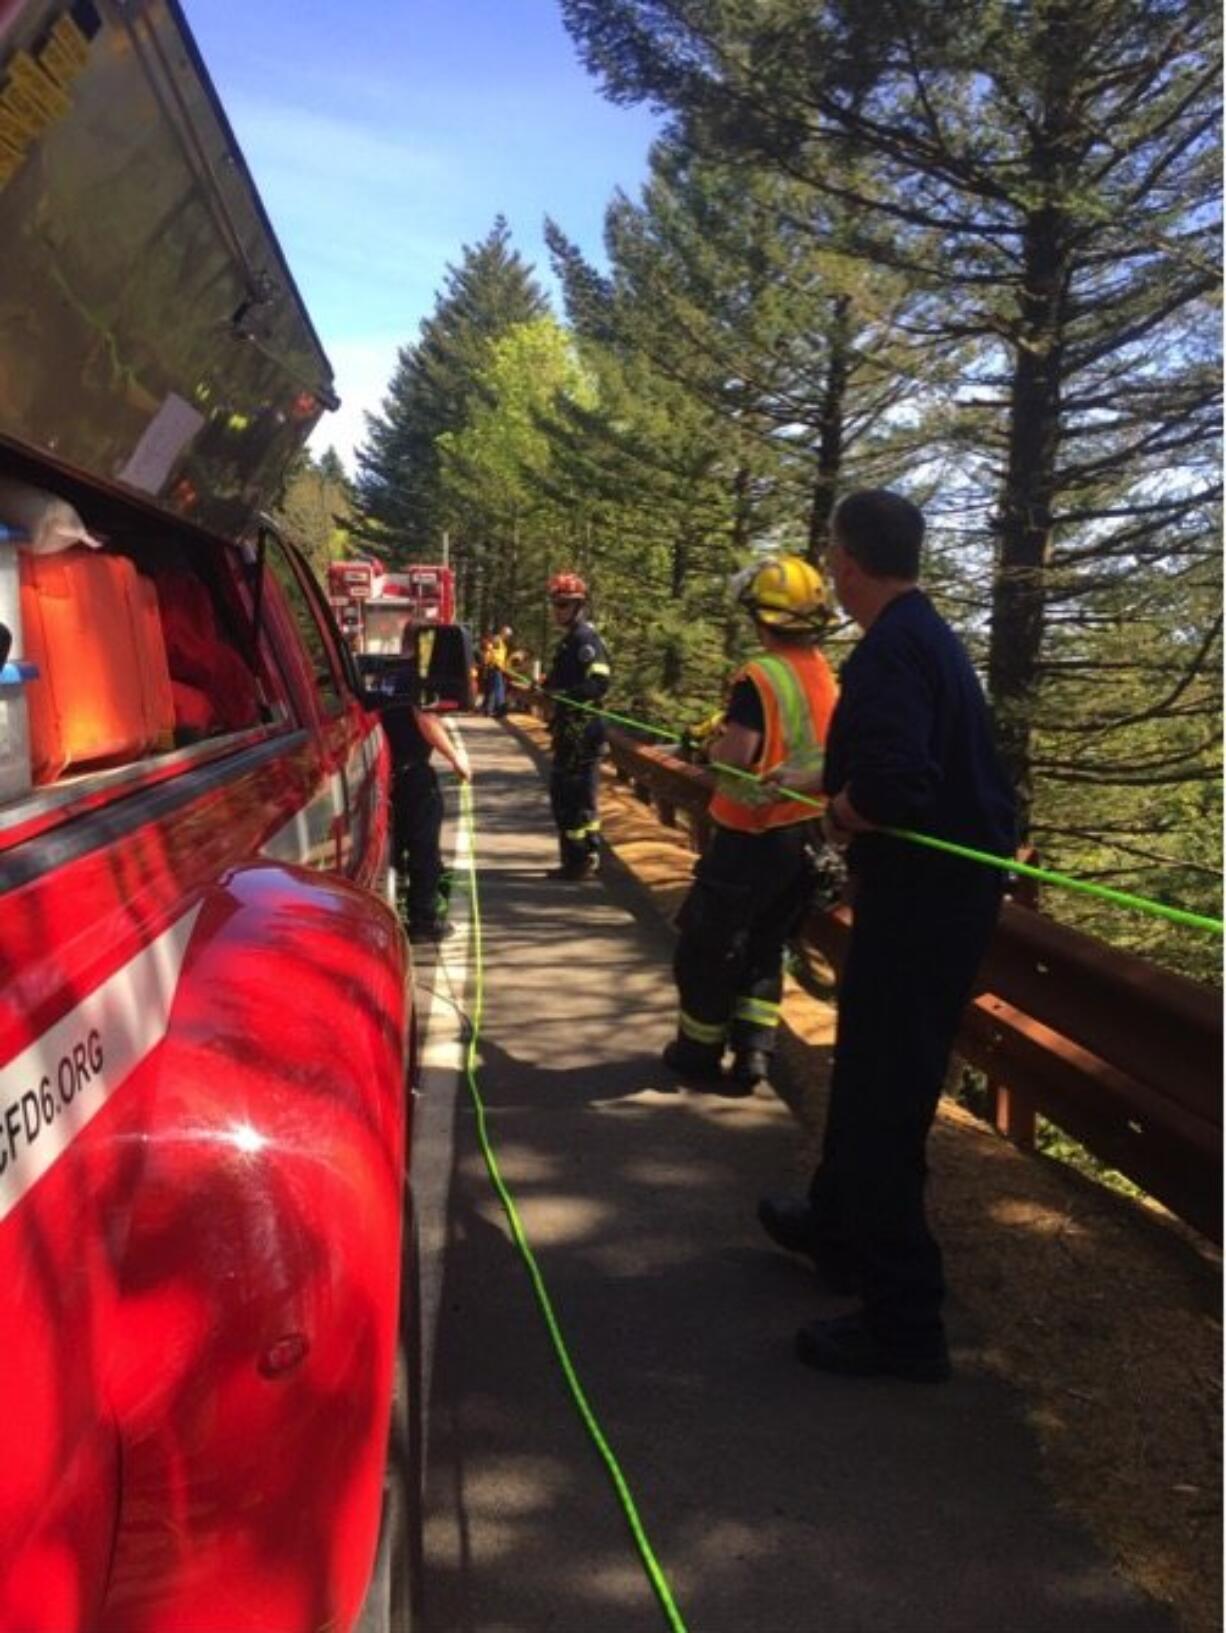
(103,688)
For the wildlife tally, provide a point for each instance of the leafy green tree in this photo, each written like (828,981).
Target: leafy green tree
(653,508)
(315,509)
(494,470)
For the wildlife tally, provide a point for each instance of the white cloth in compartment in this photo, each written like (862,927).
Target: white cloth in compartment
(50,523)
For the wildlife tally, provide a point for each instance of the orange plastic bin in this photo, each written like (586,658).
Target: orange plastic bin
(103,692)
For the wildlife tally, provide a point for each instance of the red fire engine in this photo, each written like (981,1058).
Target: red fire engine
(205,1035)
(374,606)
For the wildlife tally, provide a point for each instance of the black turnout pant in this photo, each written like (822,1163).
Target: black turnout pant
(417,822)
(915,949)
(573,784)
(749,894)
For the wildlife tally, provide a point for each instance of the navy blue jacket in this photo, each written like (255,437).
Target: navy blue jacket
(911,741)
(580,667)
(580,670)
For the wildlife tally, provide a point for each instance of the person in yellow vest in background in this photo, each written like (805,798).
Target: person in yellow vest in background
(753,883)
(495,660)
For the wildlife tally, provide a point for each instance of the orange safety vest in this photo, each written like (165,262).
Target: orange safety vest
(798,693)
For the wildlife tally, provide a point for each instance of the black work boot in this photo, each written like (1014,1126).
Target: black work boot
(847,1347)
(695,1062)
(750,1067)
(435,930)
(789,1222)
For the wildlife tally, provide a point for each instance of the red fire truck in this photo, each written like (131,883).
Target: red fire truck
(374,606)
(205,1034)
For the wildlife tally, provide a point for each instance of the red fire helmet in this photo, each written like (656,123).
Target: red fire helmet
(567,587)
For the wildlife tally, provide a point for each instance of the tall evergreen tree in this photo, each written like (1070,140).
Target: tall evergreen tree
(801,347)
(1049,172)
(1051,167)
(399,493)
(668,490)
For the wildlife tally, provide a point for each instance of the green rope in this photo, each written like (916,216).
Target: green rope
(651,1564)
(1006,864)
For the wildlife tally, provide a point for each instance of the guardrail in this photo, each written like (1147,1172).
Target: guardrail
(1123,1056)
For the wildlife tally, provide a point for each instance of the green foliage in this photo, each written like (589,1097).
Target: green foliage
(968,250)
(316,509)
(495,474)
(400,503)
(1041,180)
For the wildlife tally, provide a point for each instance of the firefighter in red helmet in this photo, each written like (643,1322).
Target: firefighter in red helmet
(579,673)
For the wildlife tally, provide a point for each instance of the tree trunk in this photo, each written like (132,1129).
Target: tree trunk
(742,510)
(680,565)
(1024,521)
(830,431)
(509,613)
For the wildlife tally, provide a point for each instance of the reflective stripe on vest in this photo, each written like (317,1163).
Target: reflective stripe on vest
(796,711)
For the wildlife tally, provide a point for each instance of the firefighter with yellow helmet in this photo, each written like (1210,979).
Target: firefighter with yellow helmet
(753,882)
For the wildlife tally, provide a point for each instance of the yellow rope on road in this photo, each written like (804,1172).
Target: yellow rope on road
(651,1564)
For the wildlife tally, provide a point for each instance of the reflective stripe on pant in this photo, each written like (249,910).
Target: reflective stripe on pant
(572,795)
(417,821)
(705,1032)
(750,891)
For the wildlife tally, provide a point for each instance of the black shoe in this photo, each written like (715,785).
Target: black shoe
(571,875)
(697,1063)
(788,1221)
(433,931)
(751,1067)
(846,1346)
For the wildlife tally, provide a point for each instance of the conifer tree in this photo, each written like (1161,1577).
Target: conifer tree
(1048,171)
(1059,157)
(721,274)
(399,494)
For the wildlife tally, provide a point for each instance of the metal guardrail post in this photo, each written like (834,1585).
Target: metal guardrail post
(1012,1114)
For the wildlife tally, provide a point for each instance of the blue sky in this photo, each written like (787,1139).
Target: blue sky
(385,134)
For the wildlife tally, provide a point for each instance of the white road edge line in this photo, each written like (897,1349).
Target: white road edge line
(443,1031)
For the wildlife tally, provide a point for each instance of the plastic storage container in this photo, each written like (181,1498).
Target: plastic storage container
(91,704)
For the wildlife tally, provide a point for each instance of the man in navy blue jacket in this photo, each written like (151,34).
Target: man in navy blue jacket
(910,746)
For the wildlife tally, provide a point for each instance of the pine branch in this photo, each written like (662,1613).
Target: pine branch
(1102,838)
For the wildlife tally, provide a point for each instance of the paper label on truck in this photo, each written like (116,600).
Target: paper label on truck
(165,437)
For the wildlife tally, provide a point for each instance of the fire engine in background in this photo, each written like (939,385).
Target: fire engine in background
(205,1034)
(373,606)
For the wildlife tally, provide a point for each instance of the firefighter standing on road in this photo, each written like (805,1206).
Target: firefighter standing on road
(579,673)
(413,735)
(910,747)
(754,880)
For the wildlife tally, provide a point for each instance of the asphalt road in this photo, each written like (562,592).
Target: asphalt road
(777,1501)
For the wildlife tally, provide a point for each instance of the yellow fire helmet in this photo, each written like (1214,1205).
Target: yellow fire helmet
(785,592)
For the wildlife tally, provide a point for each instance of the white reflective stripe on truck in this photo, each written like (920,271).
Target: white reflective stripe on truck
(58,1085)
(309,837)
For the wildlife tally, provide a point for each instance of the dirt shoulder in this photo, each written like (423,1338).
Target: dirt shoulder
(1104,1312)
